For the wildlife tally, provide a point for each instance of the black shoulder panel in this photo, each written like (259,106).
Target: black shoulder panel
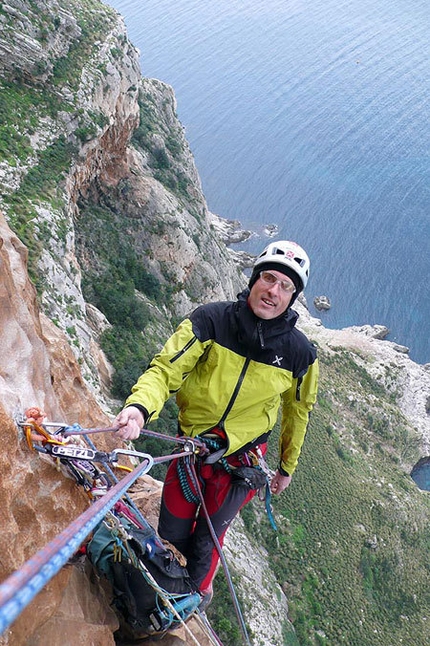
(275,342)
(210,322)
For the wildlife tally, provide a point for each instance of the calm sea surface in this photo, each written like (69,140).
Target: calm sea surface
(313,116)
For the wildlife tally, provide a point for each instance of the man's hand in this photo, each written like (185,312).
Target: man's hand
(279,483)
(131,421)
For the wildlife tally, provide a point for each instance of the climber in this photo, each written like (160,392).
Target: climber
(231,365)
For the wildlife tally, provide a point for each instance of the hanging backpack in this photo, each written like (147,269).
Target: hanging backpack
(152,590)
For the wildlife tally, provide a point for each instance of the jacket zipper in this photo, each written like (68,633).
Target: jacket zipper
(183,350)
(235,392)
(299,383)
(260,334)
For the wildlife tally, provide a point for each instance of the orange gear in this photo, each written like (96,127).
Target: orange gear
(36,414)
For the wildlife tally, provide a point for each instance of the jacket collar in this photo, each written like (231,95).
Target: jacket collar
(254,330)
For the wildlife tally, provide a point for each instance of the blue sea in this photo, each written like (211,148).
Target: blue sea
(313,116)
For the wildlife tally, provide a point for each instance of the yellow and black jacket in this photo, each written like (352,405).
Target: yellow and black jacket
(231,370)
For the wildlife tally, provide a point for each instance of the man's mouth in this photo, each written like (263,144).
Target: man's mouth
(268,302)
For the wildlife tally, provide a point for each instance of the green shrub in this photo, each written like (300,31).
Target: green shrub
(222,614)
(118,302)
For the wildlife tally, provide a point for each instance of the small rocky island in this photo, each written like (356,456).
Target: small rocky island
(322,303)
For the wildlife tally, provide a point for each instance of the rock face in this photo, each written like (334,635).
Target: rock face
(36,362)
(37,366)
(258,586)
(88,125)
(27,45)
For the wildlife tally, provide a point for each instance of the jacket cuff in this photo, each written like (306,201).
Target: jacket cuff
(283,472)
(142,410)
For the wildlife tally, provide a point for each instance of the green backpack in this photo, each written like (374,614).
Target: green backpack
(132,567)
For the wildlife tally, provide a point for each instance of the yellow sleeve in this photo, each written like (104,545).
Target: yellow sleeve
(298,402)
(167,370)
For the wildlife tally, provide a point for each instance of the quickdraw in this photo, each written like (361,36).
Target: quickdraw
(76,460)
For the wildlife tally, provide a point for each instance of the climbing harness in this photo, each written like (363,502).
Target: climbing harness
(254,474)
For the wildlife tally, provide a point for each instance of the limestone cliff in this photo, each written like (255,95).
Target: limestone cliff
(71,151)
(99,186)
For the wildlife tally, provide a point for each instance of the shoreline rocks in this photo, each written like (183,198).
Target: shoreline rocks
(322,303)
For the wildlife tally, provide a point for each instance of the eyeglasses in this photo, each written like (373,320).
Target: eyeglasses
(270,279)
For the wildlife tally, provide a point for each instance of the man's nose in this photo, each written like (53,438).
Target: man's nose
(275,287)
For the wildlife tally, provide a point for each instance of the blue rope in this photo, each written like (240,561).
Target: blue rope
(115,479)
(24,584)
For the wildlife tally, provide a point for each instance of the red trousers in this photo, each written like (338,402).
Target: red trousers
(183,523)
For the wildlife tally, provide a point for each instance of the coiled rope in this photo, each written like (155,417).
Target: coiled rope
(185,474)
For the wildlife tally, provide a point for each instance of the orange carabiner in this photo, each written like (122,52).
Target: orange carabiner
(35,433)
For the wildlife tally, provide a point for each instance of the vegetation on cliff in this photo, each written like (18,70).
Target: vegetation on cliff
(352,547)
(37,99)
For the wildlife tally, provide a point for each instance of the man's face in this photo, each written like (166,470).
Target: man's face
(268,301)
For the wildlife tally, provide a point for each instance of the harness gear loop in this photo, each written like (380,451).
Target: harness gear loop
(213,446)
(255,473)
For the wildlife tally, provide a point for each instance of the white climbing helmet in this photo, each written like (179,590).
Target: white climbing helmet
(286,253)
